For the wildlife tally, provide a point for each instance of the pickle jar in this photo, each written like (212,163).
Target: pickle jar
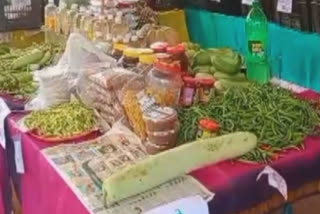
(117,51)
(146,62)
(164,83)
(130,58)
(178,53)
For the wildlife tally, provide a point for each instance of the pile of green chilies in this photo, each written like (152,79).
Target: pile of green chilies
(275,115)
(64,120)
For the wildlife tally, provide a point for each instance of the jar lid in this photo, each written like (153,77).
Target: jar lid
(189,80)
(159,46)
(168,67)
(206,81)
(119,46)
(178,49)
(147,59)
(131,52)
(209,124)
(145,51)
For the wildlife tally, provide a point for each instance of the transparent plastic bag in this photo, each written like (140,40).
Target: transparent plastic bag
(57,83)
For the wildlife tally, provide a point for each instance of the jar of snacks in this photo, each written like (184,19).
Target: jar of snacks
(208,128)
(117,51)
(146,63)
(163,57)
(188,90)
(178,53)
(160,119)
(130,57)
(164,83)
(206,89)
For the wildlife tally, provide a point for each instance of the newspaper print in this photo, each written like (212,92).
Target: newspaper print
(84,167)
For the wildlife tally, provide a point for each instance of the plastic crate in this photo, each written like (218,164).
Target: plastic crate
(20,14)
(267,5)
(228,7)
(315,9)
(298,19)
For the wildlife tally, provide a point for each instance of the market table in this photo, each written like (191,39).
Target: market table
(3,180)
(234,183)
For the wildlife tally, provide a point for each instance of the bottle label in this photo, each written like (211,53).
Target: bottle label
(256,48)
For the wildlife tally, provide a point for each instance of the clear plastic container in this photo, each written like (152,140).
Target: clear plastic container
(178,53)
(160,119)
(164,83)
(146,62)
(99,29)
(77,19)
(70,16)
(117,51)
(130,58)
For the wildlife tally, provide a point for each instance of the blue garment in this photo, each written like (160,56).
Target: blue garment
(294,56)
(288,209)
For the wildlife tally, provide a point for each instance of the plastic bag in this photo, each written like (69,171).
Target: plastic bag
(57,83)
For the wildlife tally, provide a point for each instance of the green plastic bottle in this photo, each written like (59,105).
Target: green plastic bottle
(258,68)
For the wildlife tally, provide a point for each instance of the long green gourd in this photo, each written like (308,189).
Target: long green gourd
(28,59)
(158,169)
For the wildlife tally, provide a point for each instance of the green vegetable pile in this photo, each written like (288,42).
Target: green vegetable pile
(275,115)
(64,120)
(16,66)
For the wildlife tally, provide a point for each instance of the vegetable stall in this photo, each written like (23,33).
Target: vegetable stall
(114,111)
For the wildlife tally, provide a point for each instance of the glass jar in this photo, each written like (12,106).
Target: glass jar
(164,83)
(178,53)
(130,58)
(117,51)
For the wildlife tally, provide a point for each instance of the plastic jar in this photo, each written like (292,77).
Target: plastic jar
(208,128)
(178,53)
(117,51)
(206,89)
(130,58)
(146,63)
(164,83)
(160,119)
(188,91)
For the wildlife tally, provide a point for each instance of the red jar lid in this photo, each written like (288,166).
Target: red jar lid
(206,81)
(178,49)
(209,124)
(159,46)
(189,80)
(170,67)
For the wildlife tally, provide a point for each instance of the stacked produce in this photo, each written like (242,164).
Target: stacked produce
(275,115)
(16,66)
(64,120)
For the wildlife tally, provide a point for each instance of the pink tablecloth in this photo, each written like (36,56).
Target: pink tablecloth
(235,185)
(3,175)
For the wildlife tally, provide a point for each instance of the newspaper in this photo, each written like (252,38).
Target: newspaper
(84,167)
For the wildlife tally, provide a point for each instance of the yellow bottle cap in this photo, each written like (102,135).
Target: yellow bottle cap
(131,52)
(147,59)
(146,51)
(119,46)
